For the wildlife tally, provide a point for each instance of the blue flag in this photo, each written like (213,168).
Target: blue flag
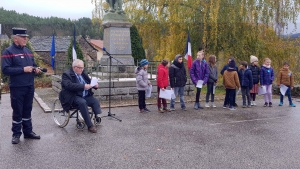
(74,55)
(52,53)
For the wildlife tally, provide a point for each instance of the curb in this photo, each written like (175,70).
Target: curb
(42,104)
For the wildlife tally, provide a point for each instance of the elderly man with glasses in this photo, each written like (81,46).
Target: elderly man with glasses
(77,91)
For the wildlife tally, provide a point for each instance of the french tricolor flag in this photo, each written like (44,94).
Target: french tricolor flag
(188,52)
(74,55)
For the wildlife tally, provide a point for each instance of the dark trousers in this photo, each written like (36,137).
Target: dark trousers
(82,103)
(198,95)
(246,93)
(21,103)
(142,99)
(234,101)
(160,100)
(210,91)
(289,95)
(253,96)
(230,97)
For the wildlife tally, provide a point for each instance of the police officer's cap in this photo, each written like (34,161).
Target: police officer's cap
(19,31)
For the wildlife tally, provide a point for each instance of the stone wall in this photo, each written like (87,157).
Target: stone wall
(120,90)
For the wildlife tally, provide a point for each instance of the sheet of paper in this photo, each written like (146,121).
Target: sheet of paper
(238,92)
(214,89)
(199,84)
(173,96)
(149,91)
(166,94)
(283,89)
(262,90)
(94,81)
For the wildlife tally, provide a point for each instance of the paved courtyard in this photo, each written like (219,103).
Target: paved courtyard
(255,137)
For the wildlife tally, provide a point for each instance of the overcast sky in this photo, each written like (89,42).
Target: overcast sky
(73,9)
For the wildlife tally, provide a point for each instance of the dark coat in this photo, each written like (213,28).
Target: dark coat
(245,78)
(177,75)
(255,73)
(226,67)
(266,75)
(71,87)
(14,59)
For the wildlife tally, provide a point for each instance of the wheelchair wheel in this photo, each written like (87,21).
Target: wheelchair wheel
(80,125)
(60,116)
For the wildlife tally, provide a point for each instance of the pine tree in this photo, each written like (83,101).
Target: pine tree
(78,52)
(138,52)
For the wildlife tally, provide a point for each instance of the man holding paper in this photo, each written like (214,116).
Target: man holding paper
(77,90)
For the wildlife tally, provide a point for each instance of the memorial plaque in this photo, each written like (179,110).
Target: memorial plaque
(117,42)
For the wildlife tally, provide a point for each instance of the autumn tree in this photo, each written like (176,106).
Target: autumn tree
(222,27)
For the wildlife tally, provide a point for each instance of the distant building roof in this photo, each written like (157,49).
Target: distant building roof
(3,38)
(43,43)
(97,43)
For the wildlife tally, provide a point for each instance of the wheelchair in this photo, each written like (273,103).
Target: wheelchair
(62,117)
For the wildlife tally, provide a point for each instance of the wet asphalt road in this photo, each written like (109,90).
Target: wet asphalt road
(212,138)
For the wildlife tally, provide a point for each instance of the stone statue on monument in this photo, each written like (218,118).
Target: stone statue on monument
(115,6)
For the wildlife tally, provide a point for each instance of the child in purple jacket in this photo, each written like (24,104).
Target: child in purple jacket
(266,79)
(199,71)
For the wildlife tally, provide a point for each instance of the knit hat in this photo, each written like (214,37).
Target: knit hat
(144,62)
(177,57)
(253,59)
(231,64)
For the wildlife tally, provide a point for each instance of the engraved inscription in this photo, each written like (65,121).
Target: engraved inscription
(120,39)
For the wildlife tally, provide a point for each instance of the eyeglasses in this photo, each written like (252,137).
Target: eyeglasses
(81,68)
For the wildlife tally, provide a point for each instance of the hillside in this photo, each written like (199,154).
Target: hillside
(38,26)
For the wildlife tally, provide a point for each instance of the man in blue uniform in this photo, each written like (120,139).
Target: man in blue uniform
(18,63)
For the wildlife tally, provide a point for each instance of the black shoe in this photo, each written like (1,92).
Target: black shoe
(98,119)
(147,110)
(15,140)
(270,104)
(32,135)
(266,104)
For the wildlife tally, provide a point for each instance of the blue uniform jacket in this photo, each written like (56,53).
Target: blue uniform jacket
(14,59)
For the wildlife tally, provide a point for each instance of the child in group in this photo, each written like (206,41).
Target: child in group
(230,81)
(199,71)
(212,80)
(178,79)
(222,72)
(246,82)
(162,83)
(255,76)
(285,77)
(142,84)
(266,79)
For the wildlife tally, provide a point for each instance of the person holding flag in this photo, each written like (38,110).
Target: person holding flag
(199,71)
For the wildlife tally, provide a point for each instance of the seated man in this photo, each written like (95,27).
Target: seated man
(76,90)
